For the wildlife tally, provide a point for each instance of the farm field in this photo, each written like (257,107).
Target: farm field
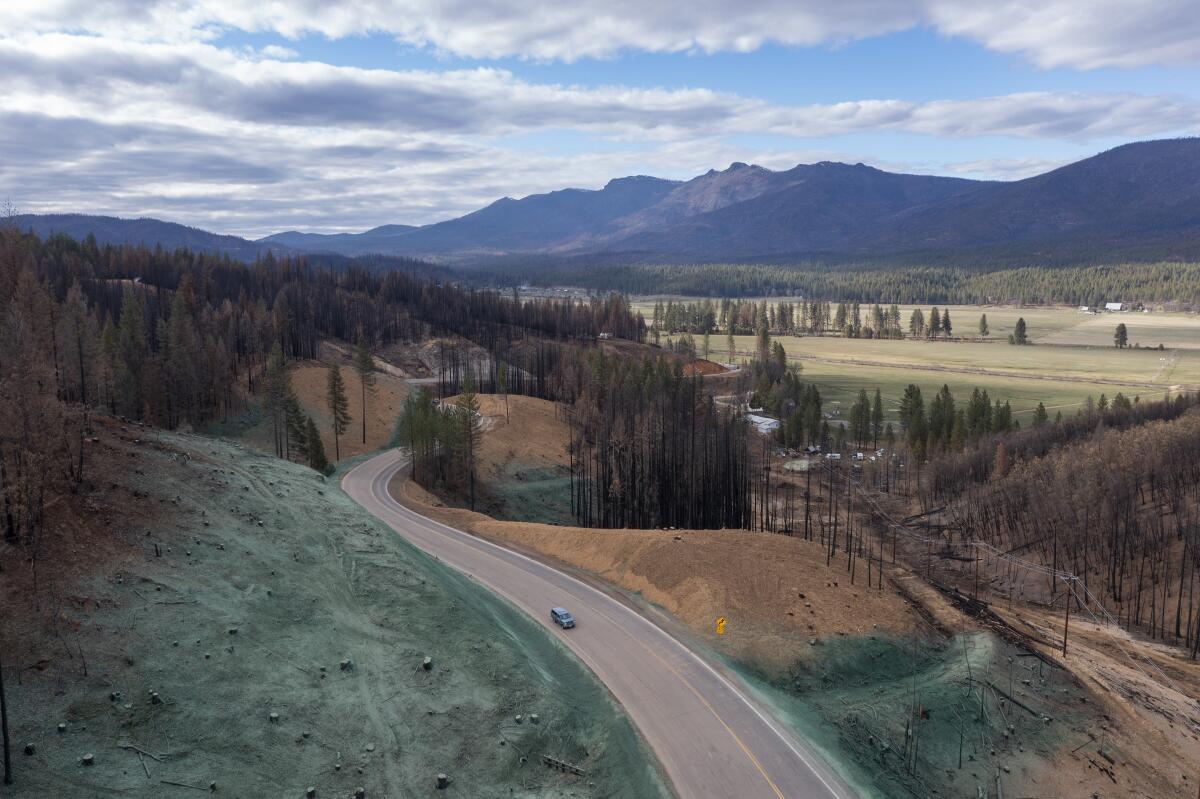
(1046,324)
(1061,377)
(1100,364)
(1072,357)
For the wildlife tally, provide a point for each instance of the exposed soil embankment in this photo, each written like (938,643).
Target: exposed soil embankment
(204,614)
(310,381)
(897,683)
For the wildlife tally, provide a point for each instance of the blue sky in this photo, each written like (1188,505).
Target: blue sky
(317,116)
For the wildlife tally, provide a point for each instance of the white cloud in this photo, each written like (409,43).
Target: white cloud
(249,141)
(1067,33)
(1049,33)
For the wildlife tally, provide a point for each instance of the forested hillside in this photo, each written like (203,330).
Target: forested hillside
(1177,283)
(183,338)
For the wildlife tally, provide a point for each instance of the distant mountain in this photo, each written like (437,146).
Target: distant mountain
(1147,192)
(1137,202)
(1140,201)
(809,209)
(383,239)
(151,232)
(541,221)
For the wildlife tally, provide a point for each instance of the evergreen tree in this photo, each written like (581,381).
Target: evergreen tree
(1121,337)
(339,413)
(296,435)
(983,326)
(876,418)
(916,323)
(133,350)
(935,322)
(1020,334)
(1039,415)
(469,430)
(364,365)
(314,447)
(277,387)
(947,328)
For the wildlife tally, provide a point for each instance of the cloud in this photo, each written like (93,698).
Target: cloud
(1050,33)
(245,142)
(1065,33)
(219,90)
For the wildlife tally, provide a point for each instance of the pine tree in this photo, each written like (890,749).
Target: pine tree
(916,323)
(294,421)
(315,447)
(935,322)
(1039,415)
(983,326)
(133,349)
(1020,333)
(946,326)
(364,365)
(876,418)
(1121,337)
(277,387)
(339,413)
(470,430)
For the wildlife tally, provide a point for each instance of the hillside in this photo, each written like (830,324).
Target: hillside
(211,619)
(819,208)
(150,232)
(842,659)
(1136,203)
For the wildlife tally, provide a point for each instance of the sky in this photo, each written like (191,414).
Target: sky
(253,118)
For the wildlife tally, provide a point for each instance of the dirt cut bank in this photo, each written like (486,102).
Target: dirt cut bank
(205,615)
(894,682)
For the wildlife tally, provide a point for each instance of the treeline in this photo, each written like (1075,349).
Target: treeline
(850,319)
(1165,282)
(1120,509)
(174,338)
(442,439)
(649,448)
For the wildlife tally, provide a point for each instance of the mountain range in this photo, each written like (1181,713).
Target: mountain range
(1140,201)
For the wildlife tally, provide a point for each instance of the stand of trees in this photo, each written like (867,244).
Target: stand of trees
(651,449)
(443,440)
(1165,282)
(182,338)
(785,317)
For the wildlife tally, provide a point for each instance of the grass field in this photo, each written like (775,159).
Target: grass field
(1072,358)
(1046,324)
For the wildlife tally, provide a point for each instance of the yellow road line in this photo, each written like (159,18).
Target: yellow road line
(705,702)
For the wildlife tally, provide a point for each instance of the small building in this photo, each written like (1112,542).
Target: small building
(604,336)
(1114,306)
(764,424)
(1084,309)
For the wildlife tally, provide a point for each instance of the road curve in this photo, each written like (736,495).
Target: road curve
(712,739)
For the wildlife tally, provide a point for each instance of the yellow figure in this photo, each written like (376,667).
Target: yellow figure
(721,625)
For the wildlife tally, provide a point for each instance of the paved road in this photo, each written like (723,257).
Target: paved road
(711,739)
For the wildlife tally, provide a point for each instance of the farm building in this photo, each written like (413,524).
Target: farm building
(1114,306)
(764,424)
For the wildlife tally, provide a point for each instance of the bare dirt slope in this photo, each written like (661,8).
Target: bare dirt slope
(522,470)
(310,381)
(193,589)
(1093,728)
(775,592)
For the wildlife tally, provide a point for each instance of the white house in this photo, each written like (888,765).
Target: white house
(764,424)
(1114,306)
